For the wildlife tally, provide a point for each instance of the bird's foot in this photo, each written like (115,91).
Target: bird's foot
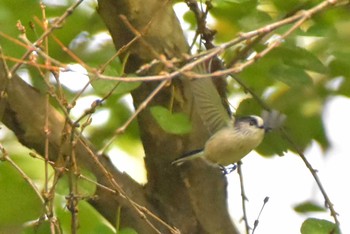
(228,169)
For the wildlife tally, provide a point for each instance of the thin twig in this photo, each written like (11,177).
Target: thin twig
(330,205)
(54,26)
(256,222)
(31,63)
(244,197)
(47,106)
(217,50)
(142,106)
(73,197)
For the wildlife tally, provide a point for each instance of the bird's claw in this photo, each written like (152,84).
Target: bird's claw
(228,169)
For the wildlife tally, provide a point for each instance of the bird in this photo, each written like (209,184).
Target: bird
(230,138)
(230,144)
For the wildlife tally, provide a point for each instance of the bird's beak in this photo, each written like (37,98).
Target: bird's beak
(267,128)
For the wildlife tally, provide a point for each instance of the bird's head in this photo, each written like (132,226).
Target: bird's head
(250,124)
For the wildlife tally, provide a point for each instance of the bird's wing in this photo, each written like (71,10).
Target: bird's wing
(208,104)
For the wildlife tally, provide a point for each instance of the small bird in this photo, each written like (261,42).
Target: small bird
(230,144)
(230,139)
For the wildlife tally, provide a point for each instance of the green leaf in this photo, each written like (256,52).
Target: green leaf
(237,1)
(340,66)
(90,221)
(18,201)
(299,58)
(175,123)
(304,104)
(103,87)
(127,231)
(291,76)
(248,107)
(233,16)
(42,228)
(190,18)
(318,226)
(308,206)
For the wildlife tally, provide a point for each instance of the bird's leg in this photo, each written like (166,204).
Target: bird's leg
(228,169)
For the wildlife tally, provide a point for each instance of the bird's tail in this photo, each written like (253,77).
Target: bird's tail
(188,156)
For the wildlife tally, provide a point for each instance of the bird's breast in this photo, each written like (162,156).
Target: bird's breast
(228,146)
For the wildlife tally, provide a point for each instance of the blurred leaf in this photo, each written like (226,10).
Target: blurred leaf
(11,12)
(299,58)
(93,49)
(232,17)
(16,197)
(175,123)
(318,226)
(127,231)
(308,206)
(258,76)
(264,72)
(248,107)
(273,144)
(101,228)
(84,18)
(90,221)
(303,107)
(103,87)
(237,1)
(43,228)
(191,19)
(291,5)
(291,76)
(85,187)
(340,67)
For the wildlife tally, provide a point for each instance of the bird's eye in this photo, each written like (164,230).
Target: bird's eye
(252,122)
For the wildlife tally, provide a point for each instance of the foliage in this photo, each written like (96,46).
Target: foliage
(308,206)
(176,123)
(318,226)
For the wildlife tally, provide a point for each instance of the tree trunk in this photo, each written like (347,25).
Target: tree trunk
(191,197)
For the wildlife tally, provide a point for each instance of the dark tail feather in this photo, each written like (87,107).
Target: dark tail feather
(187,156)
